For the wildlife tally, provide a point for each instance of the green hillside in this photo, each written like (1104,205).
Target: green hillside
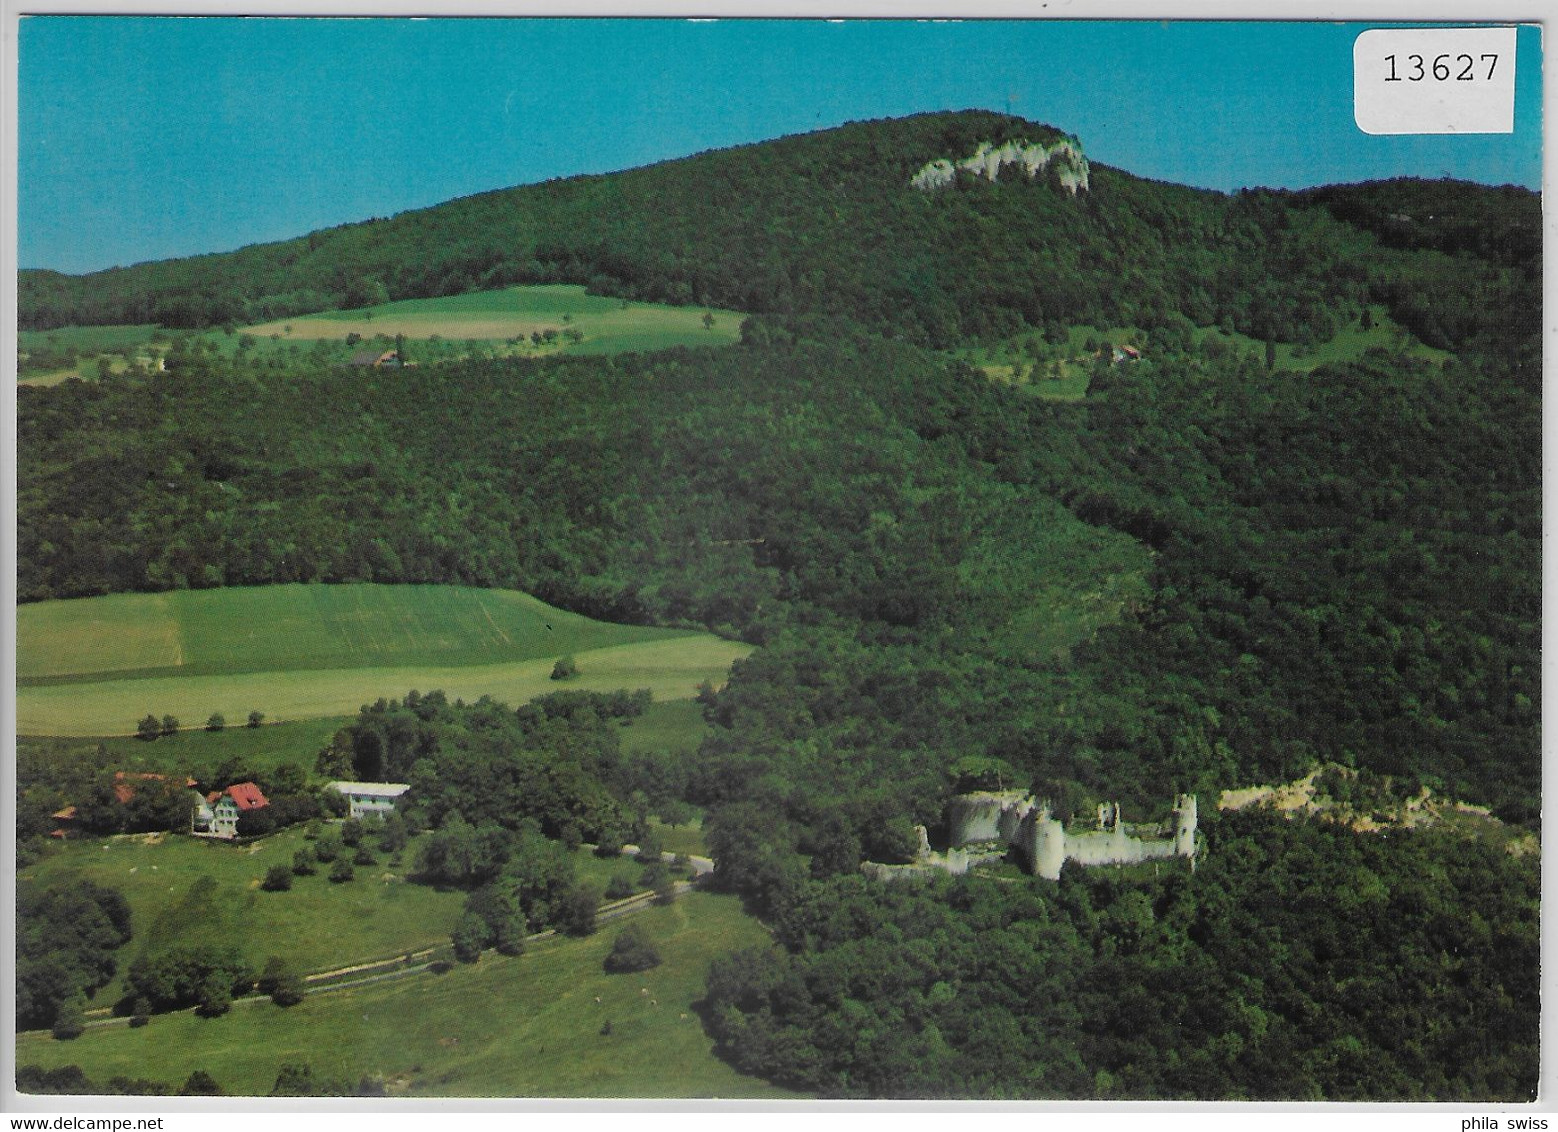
(506,1027)
(1300,525)
(827,223)
(294,627)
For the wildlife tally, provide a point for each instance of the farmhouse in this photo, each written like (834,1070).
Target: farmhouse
(371,799)
(376,358)
(219,811)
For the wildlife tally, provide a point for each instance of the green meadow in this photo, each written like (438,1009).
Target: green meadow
(1063,370)
(269,628)
(606,325)
(526,1025)
(670,669)
(93,666)
(489,322)
(198,891)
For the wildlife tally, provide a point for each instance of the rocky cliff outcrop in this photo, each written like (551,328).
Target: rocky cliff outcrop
(1033,158)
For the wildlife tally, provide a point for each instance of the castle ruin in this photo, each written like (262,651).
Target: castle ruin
(985,825)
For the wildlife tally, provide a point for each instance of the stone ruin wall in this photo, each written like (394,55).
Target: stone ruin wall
(1011,818)
(988,160)
(984,825)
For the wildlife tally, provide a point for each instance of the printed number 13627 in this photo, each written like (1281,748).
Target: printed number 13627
(1463,68)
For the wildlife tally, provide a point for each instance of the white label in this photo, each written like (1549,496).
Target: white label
(1434,81)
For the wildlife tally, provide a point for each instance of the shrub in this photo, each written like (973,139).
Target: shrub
(216,722)
(148,729)
(620,887)
(256,718)
(71,1020)
(566,668)
(364,856)
(471,935)
(632,951)
(342,871)
(278,878)
(303,862)
(327,848)
(170,725)
(576,916)
(200,1084)
(351,833)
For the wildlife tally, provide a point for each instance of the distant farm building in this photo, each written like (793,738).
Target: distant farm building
(124,784)
(376,358)
(216,815)
(370,799)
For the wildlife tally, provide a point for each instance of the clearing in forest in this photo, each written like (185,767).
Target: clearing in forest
(93,666)
(601,323)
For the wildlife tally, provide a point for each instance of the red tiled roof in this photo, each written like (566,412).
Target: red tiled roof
(247,796)
(124,792)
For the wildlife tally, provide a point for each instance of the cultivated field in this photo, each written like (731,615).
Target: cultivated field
(93,666)
(670,669)
(271,628)
(522,1026)
(516,312)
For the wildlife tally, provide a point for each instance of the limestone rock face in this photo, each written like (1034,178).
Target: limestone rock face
(988,160)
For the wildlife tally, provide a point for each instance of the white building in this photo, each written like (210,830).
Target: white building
(371,799)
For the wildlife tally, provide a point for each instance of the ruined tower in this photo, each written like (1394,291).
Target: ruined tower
(1185,825)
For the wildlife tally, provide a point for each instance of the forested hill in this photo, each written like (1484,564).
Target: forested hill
(829,223)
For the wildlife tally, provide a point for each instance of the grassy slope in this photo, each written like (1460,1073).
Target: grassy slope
(516,311)
(259,748)
(272,628)
(1007,363)
(486,316)
(523,1026)
(191,890)
(670,669)
(93,666)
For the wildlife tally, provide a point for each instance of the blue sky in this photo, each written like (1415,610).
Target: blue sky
(145,138)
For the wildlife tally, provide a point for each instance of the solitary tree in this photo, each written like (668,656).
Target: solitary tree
(71,1019)
(216,722)
(342,871)
(256,718)
(216,995)
(566,668)
(170,725)
(148,728)
(632,951)
(470,936)
(278,878)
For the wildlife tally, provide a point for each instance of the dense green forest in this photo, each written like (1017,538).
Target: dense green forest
(826,223)
(1208,573)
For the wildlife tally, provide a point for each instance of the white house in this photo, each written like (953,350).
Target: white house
(219,813)
(371,799)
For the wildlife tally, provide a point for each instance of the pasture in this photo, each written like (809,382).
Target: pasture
(276,628)
(518,1026)
(198,891)
(670,669)
(607,325)
(1061,371)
